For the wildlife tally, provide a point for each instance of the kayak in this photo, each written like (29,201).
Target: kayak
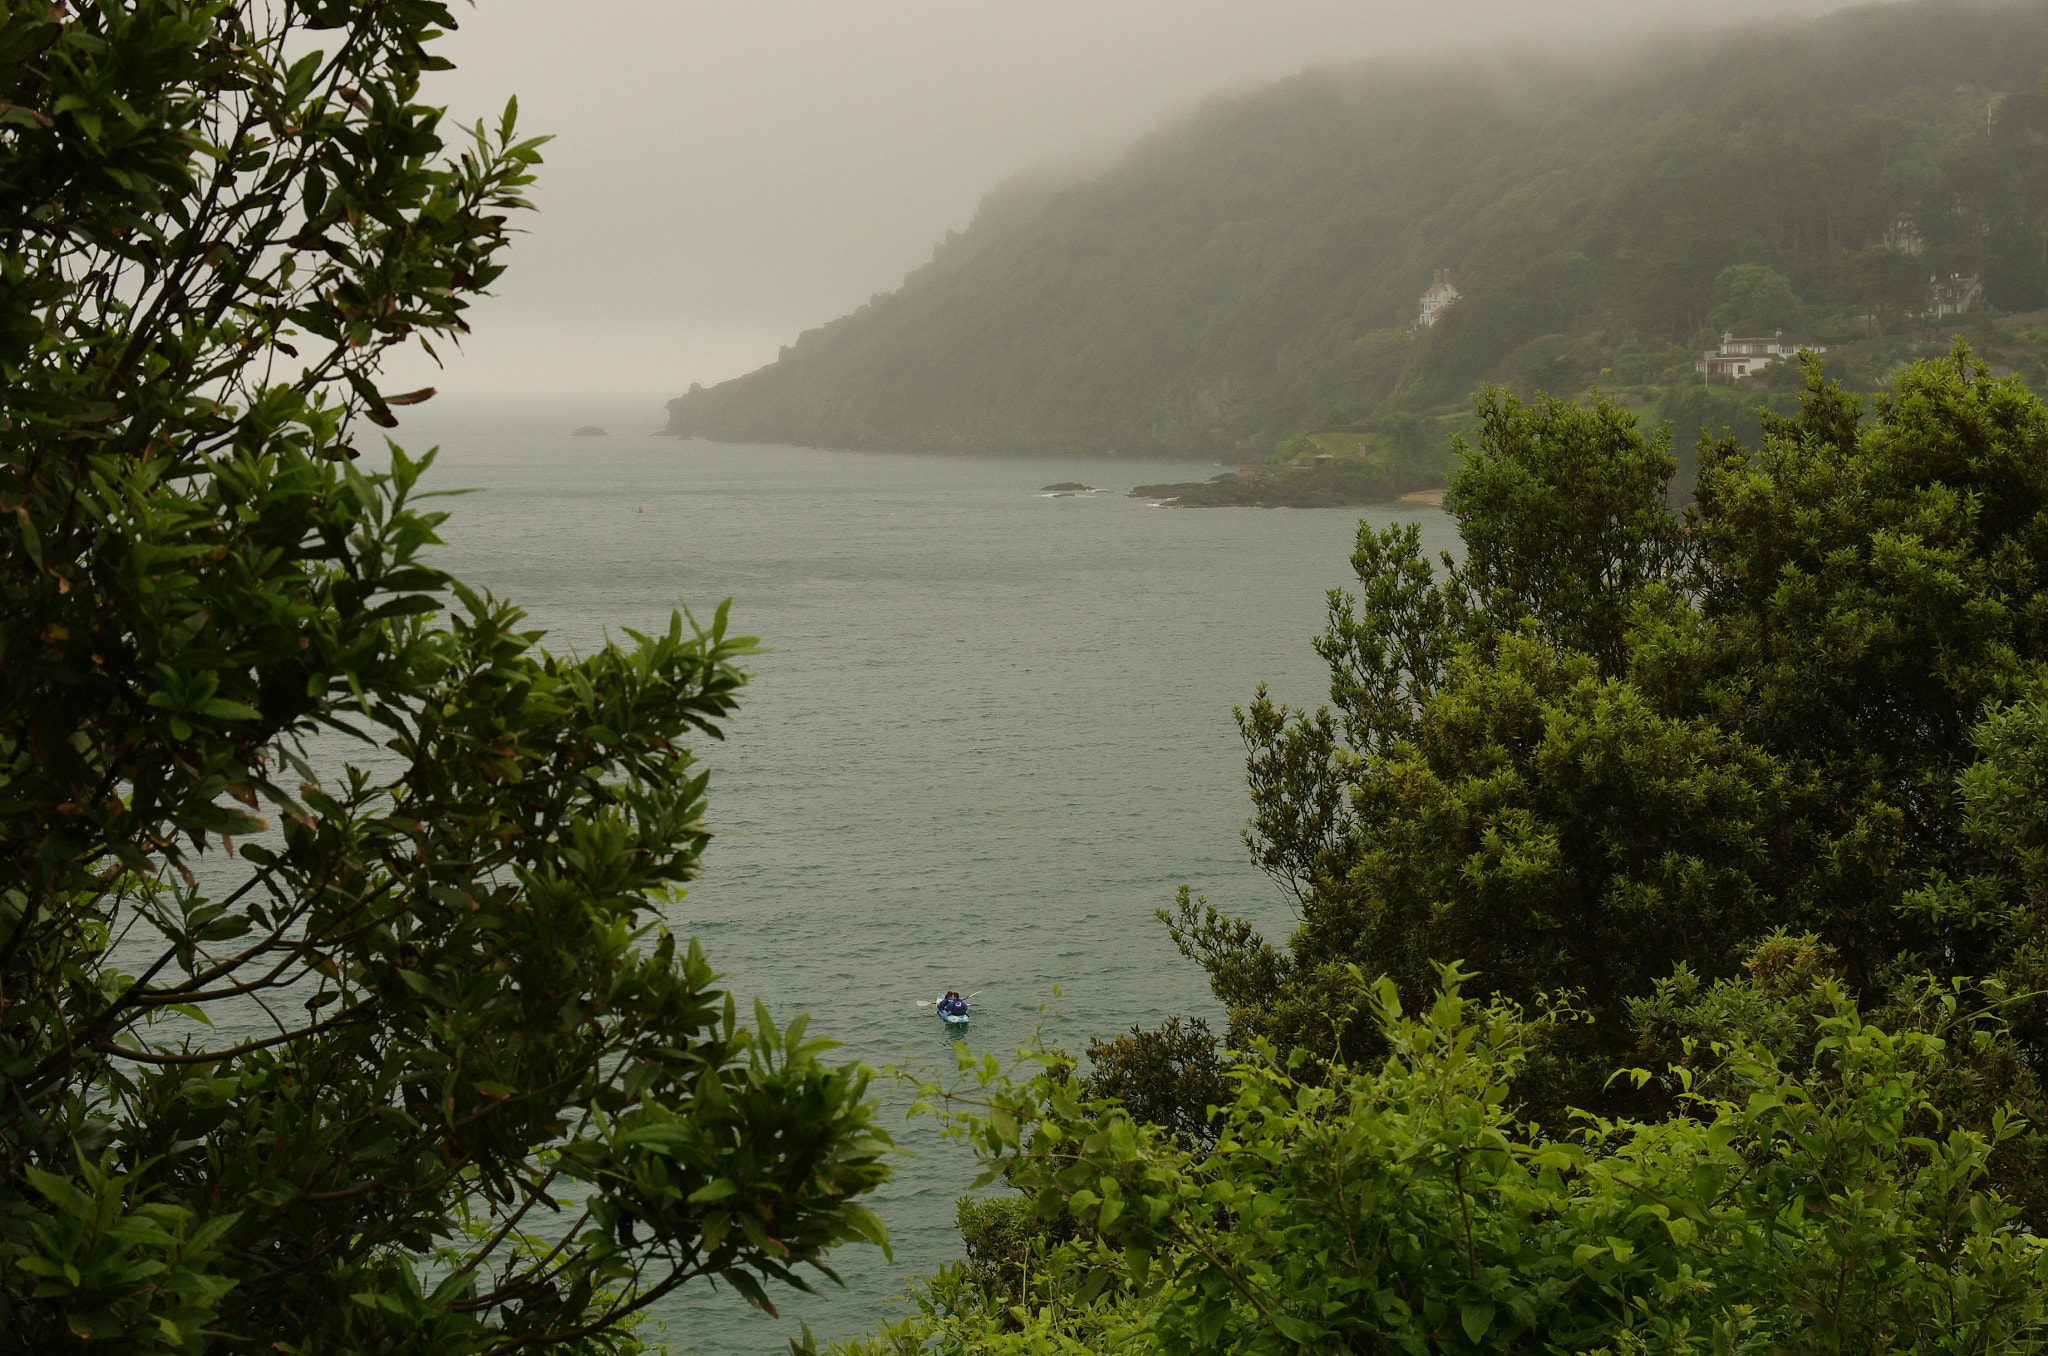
(949,1018)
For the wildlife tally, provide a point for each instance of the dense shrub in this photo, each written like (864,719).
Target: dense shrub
(1403,1207)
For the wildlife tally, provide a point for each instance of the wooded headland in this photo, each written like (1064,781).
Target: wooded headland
(1870,182)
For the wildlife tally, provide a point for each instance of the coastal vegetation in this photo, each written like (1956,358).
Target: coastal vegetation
(1614,744)
(336,1010)
(1232,278)
(1403,1206)
(1339,463)
(1328,486)
(1669,968)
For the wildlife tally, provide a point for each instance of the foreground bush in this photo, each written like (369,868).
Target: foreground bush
(1402,1208)
(335,1010)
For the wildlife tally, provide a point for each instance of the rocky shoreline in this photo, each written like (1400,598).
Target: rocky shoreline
(1285,487)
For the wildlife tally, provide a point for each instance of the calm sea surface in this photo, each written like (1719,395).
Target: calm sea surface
(992,735)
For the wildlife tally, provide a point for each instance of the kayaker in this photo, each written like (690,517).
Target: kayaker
(953,1005)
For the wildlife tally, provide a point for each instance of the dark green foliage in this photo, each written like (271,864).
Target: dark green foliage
(298,1054)
(1401,1206)
(1750,299)
(996,1232)
(1331,485)
(1490,786)
(1993,912)
(1865,593)
(1233,278)
(1974,1068)
(1608,745)
(1006,1242)
(1566,522)
(1171,1076)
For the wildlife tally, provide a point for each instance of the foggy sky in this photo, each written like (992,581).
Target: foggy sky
(724,175)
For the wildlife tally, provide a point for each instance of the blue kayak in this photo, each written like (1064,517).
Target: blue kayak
(949,1018)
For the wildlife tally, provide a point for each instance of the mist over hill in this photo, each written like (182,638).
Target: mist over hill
(1230,279)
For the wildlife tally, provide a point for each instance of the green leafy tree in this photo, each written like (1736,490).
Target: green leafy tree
(1490,784)
(1994,911)
(1753,299)
(1609,743)
(1867,592)
(1013,1256)
(1566,520)
(1172,1076)
(305,1048)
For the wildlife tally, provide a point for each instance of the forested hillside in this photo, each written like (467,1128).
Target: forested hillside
(1231,279)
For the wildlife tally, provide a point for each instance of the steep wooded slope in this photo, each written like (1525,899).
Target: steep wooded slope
(1231,278)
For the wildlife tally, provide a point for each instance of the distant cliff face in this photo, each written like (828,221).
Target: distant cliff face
(1229,279)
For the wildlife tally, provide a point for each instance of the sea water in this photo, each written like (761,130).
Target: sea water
(990,735)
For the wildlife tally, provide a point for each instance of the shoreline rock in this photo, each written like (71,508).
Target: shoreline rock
(1321,487)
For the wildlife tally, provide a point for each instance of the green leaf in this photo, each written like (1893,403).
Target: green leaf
(1476,1318)
(1138,1260)
(745,1283)
(713,1191)
(31,540)
(869,1226)
(1296,1331)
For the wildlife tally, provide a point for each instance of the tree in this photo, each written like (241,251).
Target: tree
(1172,1076)
(1566,520)
(1609,743)
(296,1051)
(1867,592)
(1753,299)
(1491,785)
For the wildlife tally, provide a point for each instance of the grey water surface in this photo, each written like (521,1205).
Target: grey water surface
(992,734)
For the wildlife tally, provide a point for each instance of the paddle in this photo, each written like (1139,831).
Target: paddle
(926,1002)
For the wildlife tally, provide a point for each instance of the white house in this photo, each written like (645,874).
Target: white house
(1903,236)
(1749,357)
(1958,293)
(1437,299)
